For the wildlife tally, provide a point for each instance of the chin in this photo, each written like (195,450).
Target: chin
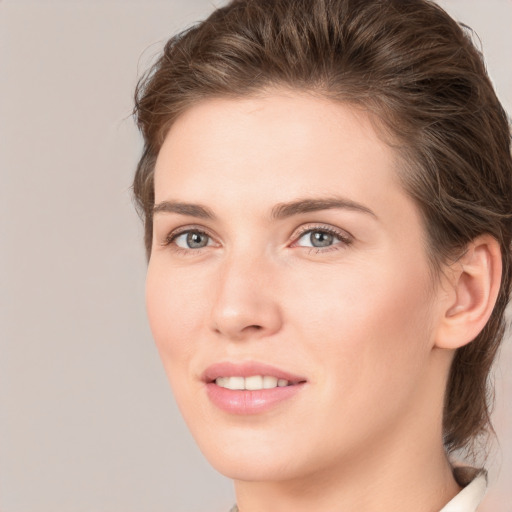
(253,468)
(250,457)
(246,470)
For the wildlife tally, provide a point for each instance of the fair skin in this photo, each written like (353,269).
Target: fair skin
(352,310)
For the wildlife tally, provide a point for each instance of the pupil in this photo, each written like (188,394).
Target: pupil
(195,240)
(321,239)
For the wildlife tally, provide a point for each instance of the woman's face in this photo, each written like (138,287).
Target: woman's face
(286,252)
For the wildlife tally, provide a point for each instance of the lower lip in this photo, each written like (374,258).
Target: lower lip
(244,401)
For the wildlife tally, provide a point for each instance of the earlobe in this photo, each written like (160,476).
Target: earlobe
(475,283)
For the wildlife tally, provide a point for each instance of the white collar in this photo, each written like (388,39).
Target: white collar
(470,497)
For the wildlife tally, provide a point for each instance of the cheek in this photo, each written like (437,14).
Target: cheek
(365,335)
(173,312)
(373,327)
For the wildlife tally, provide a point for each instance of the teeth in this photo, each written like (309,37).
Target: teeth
(253,383)
(222,382)
(235,382)
(269,382)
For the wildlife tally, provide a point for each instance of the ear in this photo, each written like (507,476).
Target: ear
(474,285)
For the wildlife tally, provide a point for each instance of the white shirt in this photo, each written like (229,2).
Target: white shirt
(470,497)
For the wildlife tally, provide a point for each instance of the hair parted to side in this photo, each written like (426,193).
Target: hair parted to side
(417,71)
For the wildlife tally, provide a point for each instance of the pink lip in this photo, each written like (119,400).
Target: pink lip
(246,401)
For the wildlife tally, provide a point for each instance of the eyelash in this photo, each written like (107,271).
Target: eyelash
(344,238)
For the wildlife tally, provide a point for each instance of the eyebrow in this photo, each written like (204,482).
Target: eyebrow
(283,210)
(279,211)
(193,210)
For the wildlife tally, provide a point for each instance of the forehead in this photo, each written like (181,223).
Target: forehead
(296,141)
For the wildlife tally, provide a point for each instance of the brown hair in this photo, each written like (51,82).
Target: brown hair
(412,66)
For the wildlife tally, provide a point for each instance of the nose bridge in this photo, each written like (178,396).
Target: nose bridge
(244,303)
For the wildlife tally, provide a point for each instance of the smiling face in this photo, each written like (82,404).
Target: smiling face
(285,248)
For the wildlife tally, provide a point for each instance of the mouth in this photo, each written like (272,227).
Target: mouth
(250,388)
(252,383)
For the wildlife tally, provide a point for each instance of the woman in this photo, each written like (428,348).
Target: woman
(326,187)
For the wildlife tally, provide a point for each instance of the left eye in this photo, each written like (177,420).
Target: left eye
(192,240)
(318,238)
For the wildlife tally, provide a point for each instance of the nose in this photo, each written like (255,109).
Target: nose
(245,303)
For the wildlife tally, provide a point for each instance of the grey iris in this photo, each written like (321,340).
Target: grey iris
(197,240)
(321,239)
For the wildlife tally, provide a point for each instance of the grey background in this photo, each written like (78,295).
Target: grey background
(87,420)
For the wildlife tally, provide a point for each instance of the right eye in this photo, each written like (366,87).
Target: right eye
(190,239)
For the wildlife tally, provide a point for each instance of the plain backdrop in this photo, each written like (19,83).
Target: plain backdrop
(87,420)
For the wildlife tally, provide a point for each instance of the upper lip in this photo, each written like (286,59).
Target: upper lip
(248,369)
